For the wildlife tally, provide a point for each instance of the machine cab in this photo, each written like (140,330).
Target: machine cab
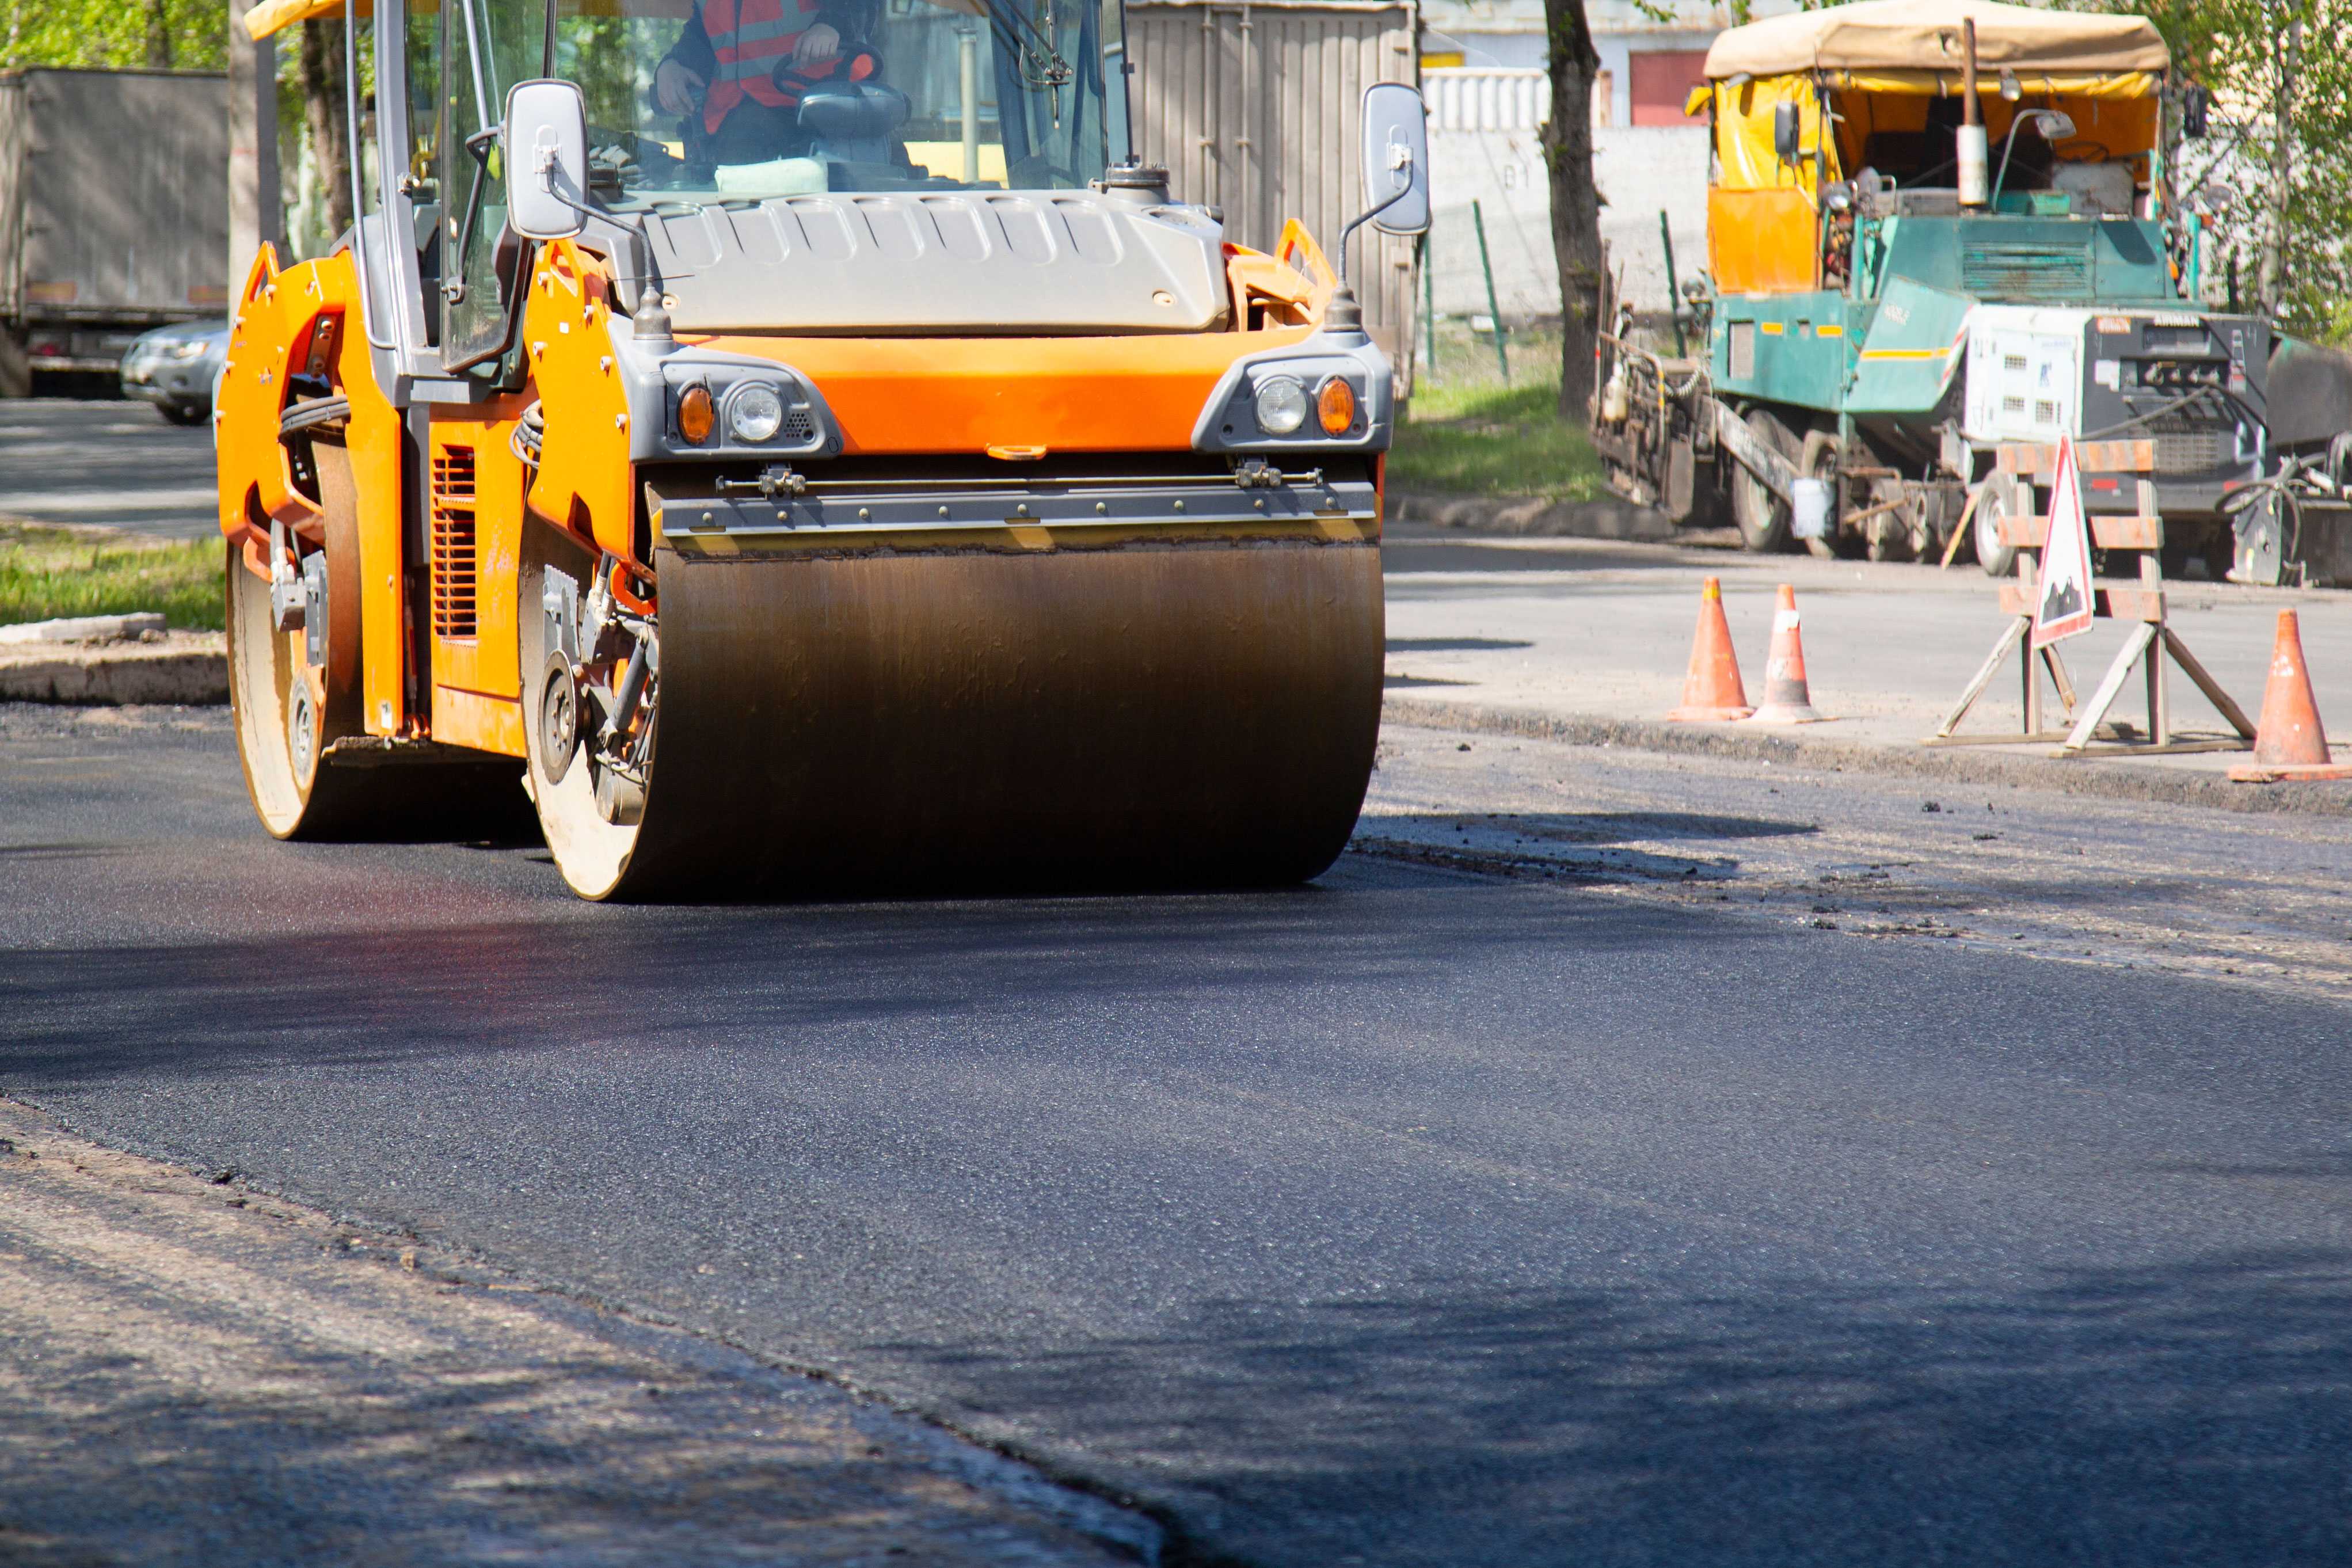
(1841,152)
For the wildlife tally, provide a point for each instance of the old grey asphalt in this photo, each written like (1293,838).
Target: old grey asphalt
(109,464)
(1407,1218)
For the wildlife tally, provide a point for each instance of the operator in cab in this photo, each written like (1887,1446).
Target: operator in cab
(739,69)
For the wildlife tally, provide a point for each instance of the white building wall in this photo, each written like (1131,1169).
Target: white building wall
(1484,147)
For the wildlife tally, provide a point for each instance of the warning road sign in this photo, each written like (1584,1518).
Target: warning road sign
(2064,608)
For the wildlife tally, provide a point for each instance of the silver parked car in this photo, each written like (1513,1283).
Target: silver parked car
(173,368)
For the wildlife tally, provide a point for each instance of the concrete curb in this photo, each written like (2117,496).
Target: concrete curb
(186,669)
(1608,517)
(2111,781)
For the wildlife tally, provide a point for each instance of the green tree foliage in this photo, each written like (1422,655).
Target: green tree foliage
(2286,225)
(178,34)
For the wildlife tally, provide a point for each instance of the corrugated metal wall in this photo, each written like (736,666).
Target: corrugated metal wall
(13,132)
(122,177)
(1255,109)
(1483,98)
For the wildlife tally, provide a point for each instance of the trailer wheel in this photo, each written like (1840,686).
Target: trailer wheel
(1818,460)
(2221,552)
(1763,517)
(1998,560)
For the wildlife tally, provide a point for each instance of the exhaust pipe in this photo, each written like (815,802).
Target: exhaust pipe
(1970,137)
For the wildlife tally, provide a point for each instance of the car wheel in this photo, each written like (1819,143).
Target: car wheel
(183,412)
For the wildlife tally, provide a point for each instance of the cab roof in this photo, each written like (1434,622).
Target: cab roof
(1925,35)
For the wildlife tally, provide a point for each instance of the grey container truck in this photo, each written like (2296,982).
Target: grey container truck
(113,214)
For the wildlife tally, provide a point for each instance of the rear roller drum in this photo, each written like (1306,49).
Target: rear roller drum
(290,710)
(279,699)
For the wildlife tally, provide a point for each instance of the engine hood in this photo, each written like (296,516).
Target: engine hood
(939,264)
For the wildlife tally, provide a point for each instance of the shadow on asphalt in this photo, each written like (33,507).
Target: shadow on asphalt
(2162,1415)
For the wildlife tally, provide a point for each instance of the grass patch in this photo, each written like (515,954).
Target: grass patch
(1471,432)
(48,573)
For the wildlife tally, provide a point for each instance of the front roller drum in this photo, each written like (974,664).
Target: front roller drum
(1166,716)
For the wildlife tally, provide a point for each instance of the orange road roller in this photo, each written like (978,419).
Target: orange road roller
(793,445)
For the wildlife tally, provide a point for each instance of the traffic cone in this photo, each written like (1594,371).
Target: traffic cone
(1711,691)
(1785,698)
(2290,742)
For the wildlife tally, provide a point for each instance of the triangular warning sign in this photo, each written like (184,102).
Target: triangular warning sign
(2064,608)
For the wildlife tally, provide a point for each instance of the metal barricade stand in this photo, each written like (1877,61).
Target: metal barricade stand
(2017,468)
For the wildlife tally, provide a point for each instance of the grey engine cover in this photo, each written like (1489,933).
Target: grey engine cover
(924,263)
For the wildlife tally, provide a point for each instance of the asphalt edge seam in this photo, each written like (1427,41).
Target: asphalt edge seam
(2112,780)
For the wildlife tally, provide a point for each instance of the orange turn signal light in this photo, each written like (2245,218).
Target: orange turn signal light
(1335,407)
(695,414)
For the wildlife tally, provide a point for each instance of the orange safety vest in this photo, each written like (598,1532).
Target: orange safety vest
(749,36)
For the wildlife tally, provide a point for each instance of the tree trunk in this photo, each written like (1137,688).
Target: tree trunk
(1575,204)
(158,36)
(2273,282)
(320,66)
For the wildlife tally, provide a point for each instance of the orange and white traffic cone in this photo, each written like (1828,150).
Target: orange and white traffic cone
(1711,691)
(2289,742)
(1786,700)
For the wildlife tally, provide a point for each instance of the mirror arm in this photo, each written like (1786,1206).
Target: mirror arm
(1362,220)
(2007,145)
(543,167)
(477,146)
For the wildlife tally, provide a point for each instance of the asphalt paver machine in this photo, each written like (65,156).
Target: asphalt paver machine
(1935,228)
(801,448)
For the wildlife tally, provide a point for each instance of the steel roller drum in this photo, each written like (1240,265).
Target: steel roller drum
(1147,715)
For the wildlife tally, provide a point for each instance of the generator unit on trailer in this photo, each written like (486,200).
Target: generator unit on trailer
(1936,227)
(800,449)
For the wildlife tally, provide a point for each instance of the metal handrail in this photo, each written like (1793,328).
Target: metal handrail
(358,187)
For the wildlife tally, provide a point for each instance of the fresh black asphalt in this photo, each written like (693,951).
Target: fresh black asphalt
(1406,1218)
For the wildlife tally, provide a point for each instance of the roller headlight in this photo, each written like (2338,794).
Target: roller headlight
(1281,406)
(755,413)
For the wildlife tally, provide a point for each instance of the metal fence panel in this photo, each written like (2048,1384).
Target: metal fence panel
(1256,108)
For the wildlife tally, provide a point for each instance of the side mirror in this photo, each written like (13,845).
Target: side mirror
(546,138)
(1396,159)
(2055,124)
(2194,105)
(1788,133)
